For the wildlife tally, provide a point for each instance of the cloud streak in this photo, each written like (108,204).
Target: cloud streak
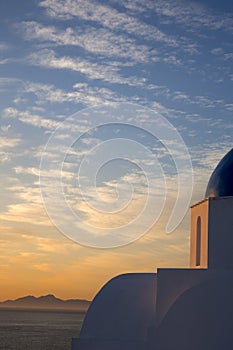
(191,15)
(95,71)
(101,42)
(107,17)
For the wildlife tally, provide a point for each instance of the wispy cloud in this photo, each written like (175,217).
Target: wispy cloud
(3,46)
(228,56)
(217,51)
(109,73)
(31,119)
(4,61)
(107,17)
(102,42)
(9,80)
(50,244)
(192,15)
(8,142)
(81,93)
(26,213)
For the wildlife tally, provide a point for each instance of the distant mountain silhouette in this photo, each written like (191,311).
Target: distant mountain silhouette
(46,302)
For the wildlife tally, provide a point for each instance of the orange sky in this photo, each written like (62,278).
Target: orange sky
(38,259)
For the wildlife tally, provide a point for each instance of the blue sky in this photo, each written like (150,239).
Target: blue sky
(59,57)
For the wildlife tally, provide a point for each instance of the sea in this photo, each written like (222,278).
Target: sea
(27,329)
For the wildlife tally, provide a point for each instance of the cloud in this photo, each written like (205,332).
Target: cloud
(26,213)
(172,59)
(107,17)
(101,42)
(192,15)
(49,244)
(108,194)
(229,106)
(9,81)
(202,101)
(109,73)
(42,267)
(25,205)
(4,61)
(9,112)
(3,46)
(6,142)
(81,93)
(228,56)
(211,155)
(217,51)
(5,128)
(7,145)
(4,157)
(31,119)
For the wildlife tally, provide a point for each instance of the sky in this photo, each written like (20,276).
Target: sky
(107,108)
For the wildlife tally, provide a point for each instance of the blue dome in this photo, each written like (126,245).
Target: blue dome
(221,181)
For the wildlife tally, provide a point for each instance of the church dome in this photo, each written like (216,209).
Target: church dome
(221,181)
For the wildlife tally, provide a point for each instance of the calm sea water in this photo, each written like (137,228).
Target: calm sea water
(39,329)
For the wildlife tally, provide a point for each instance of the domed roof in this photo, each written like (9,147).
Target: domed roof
(221,181)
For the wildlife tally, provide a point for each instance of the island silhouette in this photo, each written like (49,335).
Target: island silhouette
(48,301)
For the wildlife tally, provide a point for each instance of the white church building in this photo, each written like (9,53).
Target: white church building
(175,309)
